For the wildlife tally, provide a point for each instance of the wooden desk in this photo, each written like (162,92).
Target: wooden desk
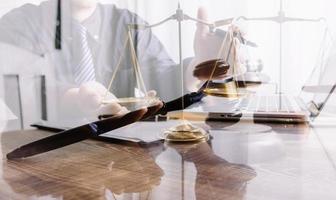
(290,163)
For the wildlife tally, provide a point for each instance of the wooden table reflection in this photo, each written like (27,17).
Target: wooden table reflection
(283,164)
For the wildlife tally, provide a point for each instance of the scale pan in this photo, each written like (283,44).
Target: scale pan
(134,103)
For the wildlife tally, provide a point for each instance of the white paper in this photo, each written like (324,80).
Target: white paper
(142,131)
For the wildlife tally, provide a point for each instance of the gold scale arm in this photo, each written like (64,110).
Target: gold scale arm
(136,67)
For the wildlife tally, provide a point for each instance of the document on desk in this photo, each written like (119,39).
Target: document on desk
(142,131)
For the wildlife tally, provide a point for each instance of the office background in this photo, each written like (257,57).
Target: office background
(302,41)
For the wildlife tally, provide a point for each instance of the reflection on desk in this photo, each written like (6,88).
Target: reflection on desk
(216,178)
(82,171)
(222,168)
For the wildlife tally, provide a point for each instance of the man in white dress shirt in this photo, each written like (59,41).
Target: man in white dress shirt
(93,37)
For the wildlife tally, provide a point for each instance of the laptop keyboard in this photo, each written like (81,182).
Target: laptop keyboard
(273,103)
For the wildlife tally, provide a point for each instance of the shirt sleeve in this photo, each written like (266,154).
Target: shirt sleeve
(19,28)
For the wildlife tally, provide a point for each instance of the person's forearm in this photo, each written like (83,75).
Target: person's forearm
(192,83)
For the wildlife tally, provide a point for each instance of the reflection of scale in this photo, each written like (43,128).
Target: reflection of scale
(141,97)
(281,18)
(186,131)
(229,86)
(229,89)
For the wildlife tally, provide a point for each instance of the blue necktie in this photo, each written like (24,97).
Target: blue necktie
(83,62)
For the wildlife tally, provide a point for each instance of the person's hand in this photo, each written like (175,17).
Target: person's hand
(206,44)
(209,47)
(152,110)
(216,68)
(88,98)
(114,108)
(91,96)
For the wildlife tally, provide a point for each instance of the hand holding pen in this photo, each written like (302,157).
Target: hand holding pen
(81,133)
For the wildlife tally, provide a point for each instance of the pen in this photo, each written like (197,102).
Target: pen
(75,135)
(173,105)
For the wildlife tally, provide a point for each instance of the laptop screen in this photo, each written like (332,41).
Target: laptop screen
(318,91)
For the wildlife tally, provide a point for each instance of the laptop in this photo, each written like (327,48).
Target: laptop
(305,107)
(287,108)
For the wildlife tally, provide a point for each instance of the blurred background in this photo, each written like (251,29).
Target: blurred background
(303,44)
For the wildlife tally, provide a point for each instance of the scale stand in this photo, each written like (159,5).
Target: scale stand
(186,131)
(281,18)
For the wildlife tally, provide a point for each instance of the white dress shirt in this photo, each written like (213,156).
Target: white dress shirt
(33,27)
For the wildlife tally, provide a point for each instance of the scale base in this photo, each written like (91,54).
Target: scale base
(185,132)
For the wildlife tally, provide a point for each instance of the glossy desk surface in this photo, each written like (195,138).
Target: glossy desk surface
(290,162)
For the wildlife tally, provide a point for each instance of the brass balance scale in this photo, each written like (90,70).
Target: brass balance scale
(228,87)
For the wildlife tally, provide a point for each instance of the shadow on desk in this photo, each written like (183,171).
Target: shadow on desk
(216,178)
(100,170)
(87,170)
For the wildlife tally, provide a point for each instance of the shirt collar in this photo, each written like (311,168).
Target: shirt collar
(93,23)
